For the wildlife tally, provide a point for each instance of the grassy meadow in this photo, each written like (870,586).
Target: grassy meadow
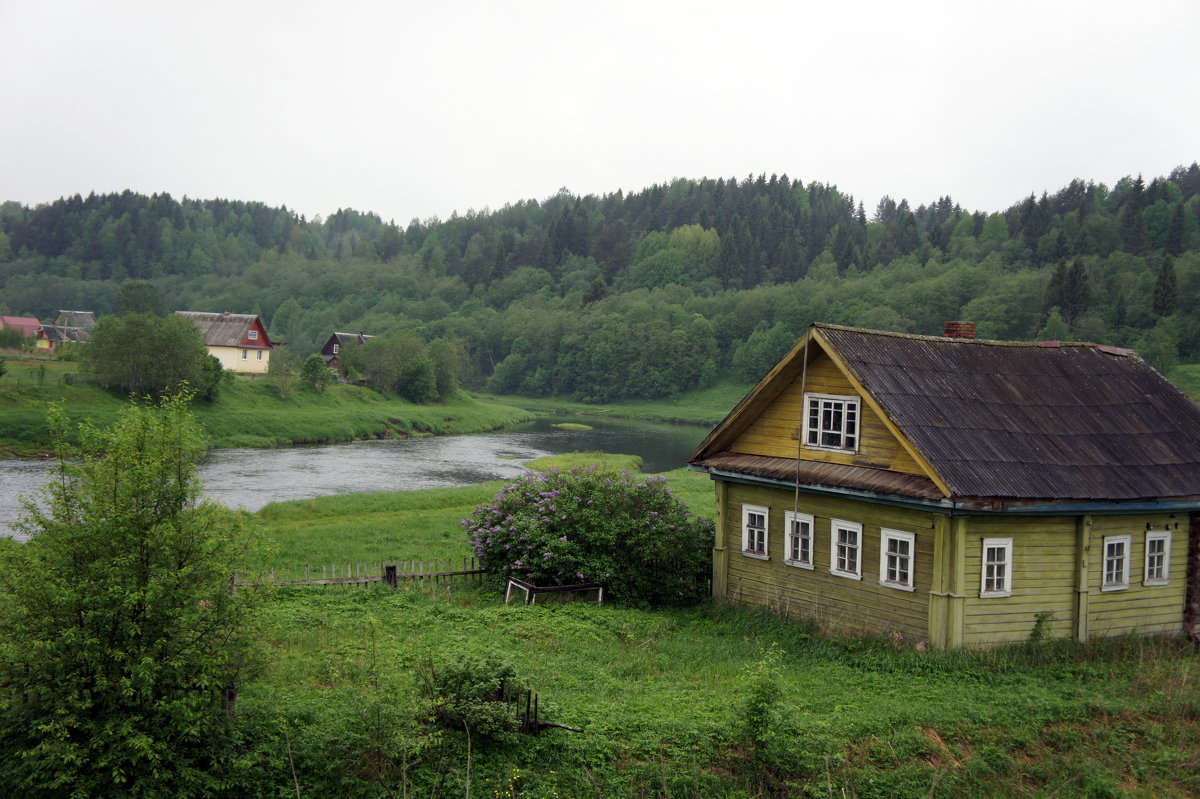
(248,412)
(713,701)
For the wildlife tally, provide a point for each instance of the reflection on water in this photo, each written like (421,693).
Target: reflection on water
(253,477)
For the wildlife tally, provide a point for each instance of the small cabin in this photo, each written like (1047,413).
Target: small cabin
(238,341)
(53,337)
(959,492)
(337,344)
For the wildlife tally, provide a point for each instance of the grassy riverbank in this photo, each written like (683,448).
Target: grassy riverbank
(707,702)
(706,406)
(248,412)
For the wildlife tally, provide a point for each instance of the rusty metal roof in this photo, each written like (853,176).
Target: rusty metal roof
(859,478)
(1054,420)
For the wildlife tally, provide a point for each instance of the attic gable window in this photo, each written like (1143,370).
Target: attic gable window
(831,422)
(252,335)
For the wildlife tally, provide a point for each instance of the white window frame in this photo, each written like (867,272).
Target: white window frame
(765,512)
(1110,578)
(252,335)
(836,546)
(260,352)
(851,416)
(245,355)
(1005,587)
(885,538)
(1164,567)
(791,557)
(336,347)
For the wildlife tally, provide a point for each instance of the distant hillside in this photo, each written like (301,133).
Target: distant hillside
(645,294)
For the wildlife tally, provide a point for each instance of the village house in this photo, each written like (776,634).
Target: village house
(26,324)
(83,319)
(339,342)
(52,337)
(960,492)
(238,341)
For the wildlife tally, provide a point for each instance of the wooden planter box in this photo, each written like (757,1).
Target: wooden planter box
(590,592)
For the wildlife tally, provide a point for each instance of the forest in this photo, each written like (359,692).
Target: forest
(644,294)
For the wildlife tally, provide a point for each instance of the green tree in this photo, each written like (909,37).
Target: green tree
(282,370)
(1166,288)
(143,354)
(139,296)
(121,644)
(316,373)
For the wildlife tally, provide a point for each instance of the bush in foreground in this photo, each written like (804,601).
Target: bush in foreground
(626,533)
(121,644)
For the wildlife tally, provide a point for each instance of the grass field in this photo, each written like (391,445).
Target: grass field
(705,406)
(708,702)
(248,413)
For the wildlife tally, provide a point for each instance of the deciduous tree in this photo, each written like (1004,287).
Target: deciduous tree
(121,643)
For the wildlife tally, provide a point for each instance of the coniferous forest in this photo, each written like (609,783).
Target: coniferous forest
(643,294)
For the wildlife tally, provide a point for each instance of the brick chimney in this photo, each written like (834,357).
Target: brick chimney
(959,330)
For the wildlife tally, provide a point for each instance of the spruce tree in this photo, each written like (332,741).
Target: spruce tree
(1166,288)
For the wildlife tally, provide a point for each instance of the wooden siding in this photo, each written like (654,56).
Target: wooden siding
(1043,579)
(830,600)
(774,432)
(1138,608)
(1042,573)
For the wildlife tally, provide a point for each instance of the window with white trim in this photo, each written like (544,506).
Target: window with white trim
(995,578)
(845,555)
(1158,558)
(245,355)
(336,347)
(897,552)
(798,545)
(260,352)
(252,335)
(831,422)
(1116,563)
(754,531)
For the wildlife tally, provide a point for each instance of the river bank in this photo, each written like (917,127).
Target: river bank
(250,413)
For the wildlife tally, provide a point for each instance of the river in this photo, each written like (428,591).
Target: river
(251,478)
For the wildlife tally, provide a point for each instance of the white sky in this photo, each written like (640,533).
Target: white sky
(420,109)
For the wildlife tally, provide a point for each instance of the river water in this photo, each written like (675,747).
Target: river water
(251,478)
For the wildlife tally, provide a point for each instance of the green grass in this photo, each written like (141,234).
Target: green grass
(414,525)
(704,406)
(658,694)
(250,413)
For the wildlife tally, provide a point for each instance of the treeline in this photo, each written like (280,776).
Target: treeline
(640,294)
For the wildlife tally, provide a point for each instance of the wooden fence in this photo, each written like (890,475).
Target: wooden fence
(441,571)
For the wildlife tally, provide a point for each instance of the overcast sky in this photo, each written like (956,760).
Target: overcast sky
(421,109)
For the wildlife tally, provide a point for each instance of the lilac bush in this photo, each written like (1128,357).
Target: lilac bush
(626,532)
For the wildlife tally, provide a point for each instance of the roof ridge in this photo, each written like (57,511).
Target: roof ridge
(928,337)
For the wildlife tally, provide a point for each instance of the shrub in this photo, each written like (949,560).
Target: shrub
(628,534)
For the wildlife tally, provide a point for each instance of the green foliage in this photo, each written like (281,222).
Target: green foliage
(140,297)
(11,338)
(629,534)
(121,645)
(470,690)
(142,354)
(316,373)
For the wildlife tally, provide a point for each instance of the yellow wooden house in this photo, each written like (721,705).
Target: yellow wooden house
(958,491)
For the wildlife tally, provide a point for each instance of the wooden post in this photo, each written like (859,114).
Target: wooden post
(1191,606)
(1083,535)
(720,561)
